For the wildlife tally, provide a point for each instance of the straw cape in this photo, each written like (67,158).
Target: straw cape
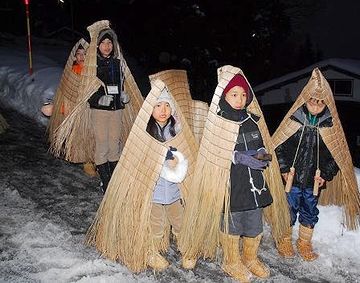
(67,91)
(343,189)
(209,188)
(121,229)
(74,138)
(195,111)
(3,124)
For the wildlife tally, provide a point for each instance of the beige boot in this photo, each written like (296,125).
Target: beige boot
(250,258)
(304,245)
(285,247)
(232,263)
(155,260)
(188,263)
(89,169)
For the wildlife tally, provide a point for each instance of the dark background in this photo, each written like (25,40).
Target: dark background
(265,38)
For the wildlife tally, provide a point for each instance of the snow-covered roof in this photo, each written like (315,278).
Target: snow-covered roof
(348,66)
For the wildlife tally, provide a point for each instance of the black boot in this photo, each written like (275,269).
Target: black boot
(112,165)
(105,175)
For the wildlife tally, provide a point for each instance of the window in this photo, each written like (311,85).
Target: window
(341,87)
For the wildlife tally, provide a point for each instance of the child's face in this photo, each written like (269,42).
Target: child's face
(161,112)
(236,97)
(106,47)
(80,56)
(315,106)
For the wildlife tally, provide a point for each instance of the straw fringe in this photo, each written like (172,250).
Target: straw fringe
(121,229)
(195,111)
(3,124)
(67,92)
(74,138)
(343,189)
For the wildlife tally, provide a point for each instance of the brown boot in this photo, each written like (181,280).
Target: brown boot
(285,247)
(89,169)
(250,258)
(304,245)
(232,263)
(155,260)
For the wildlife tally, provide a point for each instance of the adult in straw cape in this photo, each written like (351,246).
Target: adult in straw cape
(67,94)
(97,133)
(130,225)
(3,124)
(195,111)
(311,148)
(230,186)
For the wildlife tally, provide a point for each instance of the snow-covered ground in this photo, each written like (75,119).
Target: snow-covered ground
(47,204)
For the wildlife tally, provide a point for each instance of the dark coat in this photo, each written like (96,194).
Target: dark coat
(306,161)
(109,72)
(242,195)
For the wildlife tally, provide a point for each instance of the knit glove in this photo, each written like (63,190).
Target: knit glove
(169,154)
(105,100)
(245,158)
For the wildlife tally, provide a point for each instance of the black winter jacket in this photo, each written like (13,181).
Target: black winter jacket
(109,72)
(243,196)
(306,161)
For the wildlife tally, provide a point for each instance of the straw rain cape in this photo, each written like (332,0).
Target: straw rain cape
(209,187)
(195,111)
(121,229)
(74,138)
(67,91)
(3,124)
(343,189)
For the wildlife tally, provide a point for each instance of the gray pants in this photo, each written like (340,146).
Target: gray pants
(244,223)
(107,135)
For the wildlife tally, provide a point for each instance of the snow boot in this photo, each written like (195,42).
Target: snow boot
(304,245)
(232,263)
(104,172)
(250,257)
(285,247)
(155,260)
(89,169)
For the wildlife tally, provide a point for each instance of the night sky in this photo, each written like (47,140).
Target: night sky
(265,38)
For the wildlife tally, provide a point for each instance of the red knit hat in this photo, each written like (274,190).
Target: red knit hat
(237,80)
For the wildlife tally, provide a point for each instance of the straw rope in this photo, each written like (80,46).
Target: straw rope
(343,189)
(74,138)
(208,194)
(121,229)
(3,124)
(195,111)
(67,91)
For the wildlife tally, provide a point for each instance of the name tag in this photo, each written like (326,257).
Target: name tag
(112,89)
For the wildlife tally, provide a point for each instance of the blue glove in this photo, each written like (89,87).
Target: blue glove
(244,158)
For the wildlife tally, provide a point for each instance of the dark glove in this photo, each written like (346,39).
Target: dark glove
(241,157)
(169,155)
(173,148)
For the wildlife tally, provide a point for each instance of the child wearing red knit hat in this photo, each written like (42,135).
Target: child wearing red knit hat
(248,192)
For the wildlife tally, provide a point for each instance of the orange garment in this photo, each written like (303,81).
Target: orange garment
(77,68)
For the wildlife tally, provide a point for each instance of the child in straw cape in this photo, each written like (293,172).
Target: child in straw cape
(144,198)
(311,147)
(66,95)
(106,105)
(239,198)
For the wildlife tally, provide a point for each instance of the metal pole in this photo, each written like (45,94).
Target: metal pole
(29,36)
